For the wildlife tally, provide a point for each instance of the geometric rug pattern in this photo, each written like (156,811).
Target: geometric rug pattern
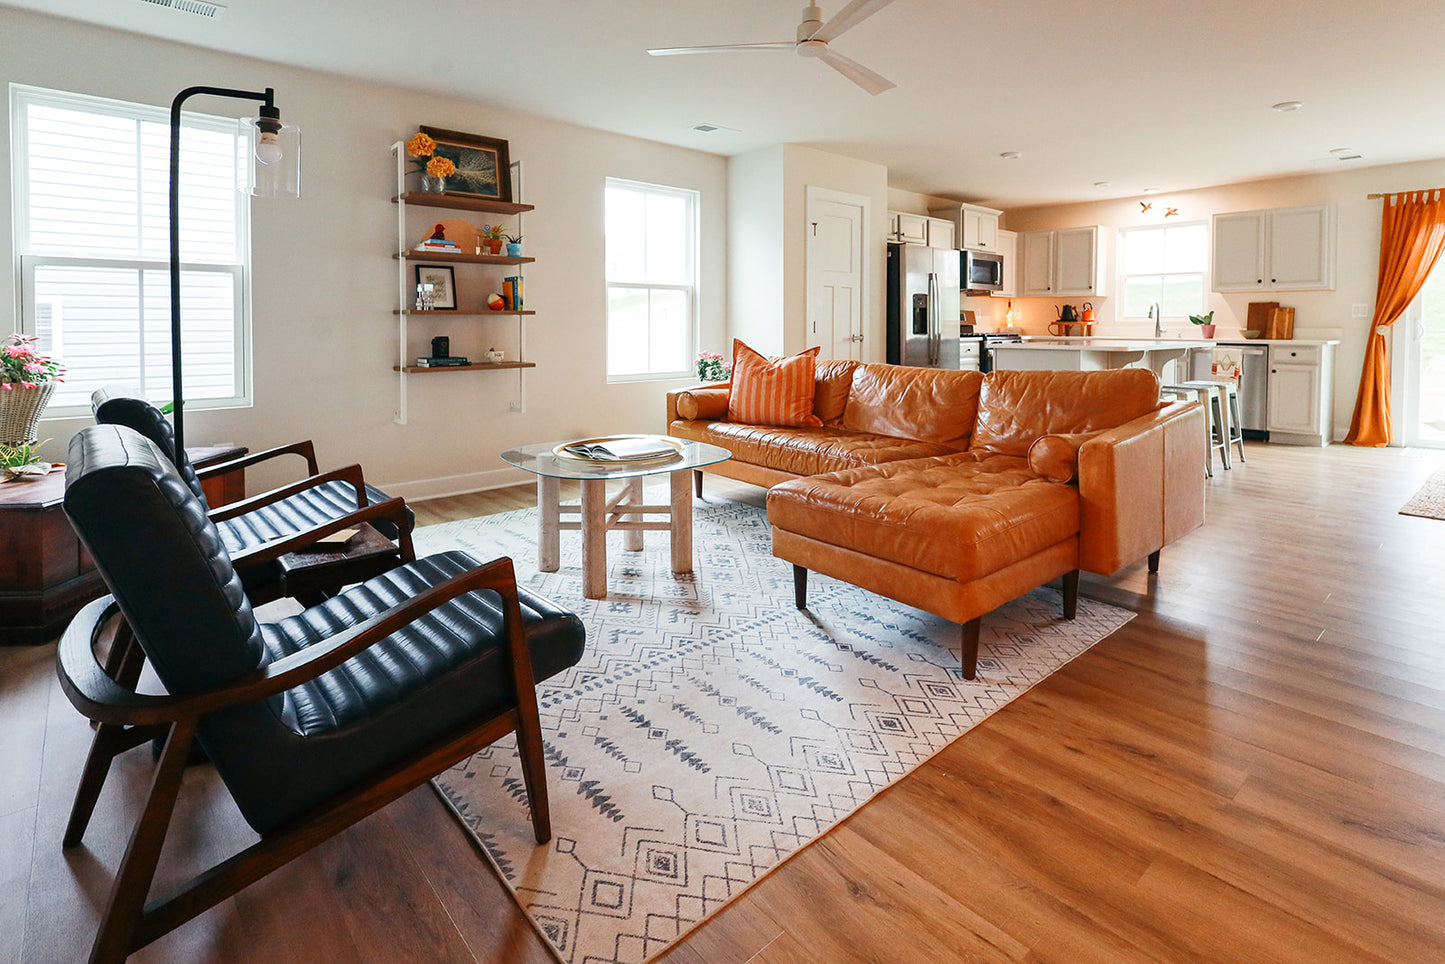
(712,729)
(1429,502)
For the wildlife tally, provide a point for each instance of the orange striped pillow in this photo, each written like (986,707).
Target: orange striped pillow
(772,392)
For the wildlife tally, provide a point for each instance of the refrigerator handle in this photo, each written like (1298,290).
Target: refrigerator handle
(933,344)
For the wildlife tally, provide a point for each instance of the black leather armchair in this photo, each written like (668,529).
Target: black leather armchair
(312,722)
(262,528)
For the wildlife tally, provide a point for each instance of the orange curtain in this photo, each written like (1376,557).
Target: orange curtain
(1412,235)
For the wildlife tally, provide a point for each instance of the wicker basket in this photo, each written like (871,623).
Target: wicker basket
(20,410)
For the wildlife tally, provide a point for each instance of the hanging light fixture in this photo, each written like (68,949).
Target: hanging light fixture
(273,169)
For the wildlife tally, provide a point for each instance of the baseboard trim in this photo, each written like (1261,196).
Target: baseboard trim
(447,485)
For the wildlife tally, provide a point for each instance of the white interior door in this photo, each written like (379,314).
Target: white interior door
(835,232)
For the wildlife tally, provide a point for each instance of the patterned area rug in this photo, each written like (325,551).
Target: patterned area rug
(1429,502)
(712,729)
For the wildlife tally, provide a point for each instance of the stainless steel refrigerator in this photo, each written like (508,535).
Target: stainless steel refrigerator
(922,306)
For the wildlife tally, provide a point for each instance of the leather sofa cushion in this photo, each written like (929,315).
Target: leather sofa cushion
(832,381)
(1015,408)
(1056,457)
(958,516)
(926,404)
(703,403)
(809,451)
(768,391)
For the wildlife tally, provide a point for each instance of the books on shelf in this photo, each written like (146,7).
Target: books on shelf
(435,361)
(623,449)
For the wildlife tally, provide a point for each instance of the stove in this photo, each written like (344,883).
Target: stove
(974,354)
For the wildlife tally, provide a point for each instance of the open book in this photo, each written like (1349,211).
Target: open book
(623,449)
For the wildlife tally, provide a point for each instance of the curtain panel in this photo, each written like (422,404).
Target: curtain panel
(1412,236)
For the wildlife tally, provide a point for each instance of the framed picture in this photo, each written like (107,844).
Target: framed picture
(484,167)
(443,285)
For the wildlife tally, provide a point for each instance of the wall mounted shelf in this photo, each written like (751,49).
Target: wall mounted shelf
(447,313)
(457,203)
(462,258)
(479,366)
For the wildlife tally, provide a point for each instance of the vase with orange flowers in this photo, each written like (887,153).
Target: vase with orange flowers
(27,380)
(434,168)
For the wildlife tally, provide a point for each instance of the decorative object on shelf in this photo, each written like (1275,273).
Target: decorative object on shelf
(441,347)
(438,242)
(273,169)
(495,356)
(443,286)
(438,169)
(514,245)
(21,463)
(1205,323)
(496,302)
(493,236)
(512,292)
(482,164)
(713,367)
(27,380)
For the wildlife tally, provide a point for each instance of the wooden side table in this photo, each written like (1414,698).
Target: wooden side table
(316,574)
(45,573)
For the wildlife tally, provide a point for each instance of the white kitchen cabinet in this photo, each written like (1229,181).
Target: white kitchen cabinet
(1008,247)
(976,227)
(1301,394)
(940,233)
(1280,249)
(912,228)
(1064,263)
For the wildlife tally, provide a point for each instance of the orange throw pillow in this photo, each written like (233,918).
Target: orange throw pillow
(772,391)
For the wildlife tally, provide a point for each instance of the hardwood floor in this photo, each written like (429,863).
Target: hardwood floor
(1251,769)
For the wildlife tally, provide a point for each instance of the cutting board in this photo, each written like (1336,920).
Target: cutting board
(1281,323)
(1258,317)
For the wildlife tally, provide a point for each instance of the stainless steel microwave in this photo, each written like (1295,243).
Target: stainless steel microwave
(980,272)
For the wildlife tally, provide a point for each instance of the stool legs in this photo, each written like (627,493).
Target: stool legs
(1219,430)
(1236,427)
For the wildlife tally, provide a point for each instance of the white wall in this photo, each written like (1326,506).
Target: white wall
(324,282)
(1318,314)
(755,251)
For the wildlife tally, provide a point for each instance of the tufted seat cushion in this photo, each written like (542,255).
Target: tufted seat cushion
(314,507)
(961,516)
(809,451)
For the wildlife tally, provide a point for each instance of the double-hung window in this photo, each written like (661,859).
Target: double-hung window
(651,240)
(1164,264)
(92,226)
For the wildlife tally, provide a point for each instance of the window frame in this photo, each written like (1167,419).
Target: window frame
(690,289)
(25,262)
(1203,272)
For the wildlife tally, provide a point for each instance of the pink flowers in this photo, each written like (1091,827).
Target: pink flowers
(21,366)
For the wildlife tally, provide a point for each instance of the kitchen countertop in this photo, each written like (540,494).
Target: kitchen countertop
(1099,343)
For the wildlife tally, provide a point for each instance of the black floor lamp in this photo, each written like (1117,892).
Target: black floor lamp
(273,170)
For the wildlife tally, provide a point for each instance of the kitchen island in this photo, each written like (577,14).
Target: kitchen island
(1166,357)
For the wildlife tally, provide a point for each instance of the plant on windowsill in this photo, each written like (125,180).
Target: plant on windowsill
(27,379)
(712,368)
(1205,323)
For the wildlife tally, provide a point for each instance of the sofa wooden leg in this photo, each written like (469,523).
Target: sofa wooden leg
(697,483)
(800,587)
(970,647)
(1154,560)
(1071,594)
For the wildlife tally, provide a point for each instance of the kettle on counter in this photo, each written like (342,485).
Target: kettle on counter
(1086,314)
(1067,315)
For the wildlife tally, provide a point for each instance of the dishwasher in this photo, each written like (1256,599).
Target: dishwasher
(1253,387)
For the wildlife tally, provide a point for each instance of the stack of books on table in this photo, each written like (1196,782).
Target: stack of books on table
(437,361)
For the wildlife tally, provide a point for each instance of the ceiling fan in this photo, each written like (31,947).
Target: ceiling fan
(814,37)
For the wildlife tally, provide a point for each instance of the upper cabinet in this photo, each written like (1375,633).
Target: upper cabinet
(1008,247)
(1064,263)
(1281,249)
(975,227)
(940,233)
(912,228)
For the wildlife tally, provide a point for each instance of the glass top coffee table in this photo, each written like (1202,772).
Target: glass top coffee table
(550,462)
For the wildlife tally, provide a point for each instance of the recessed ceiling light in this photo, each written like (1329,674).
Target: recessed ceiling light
(1102,183)
(1151,190)
(710,128)
(1345,153)
(1010,155)
(1285,106)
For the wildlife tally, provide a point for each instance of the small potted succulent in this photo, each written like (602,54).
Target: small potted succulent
(1205,323)
(514,245)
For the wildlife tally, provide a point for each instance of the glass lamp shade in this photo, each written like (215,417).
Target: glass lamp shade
(273,158)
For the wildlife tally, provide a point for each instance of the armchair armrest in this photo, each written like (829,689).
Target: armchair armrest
(304,449)
(102,699)
(393,509)
(347,473)
(1141,486)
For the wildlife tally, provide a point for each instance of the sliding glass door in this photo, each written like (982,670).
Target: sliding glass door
(1418,345)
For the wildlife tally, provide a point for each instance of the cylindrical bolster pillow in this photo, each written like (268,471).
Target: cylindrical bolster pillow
(1056,457)
(703,403)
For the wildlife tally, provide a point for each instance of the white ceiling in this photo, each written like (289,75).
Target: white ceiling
(1165,94)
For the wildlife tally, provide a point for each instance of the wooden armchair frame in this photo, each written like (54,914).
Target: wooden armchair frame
(126,718)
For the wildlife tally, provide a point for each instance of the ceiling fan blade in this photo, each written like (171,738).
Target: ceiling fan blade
(872,82)
(719,48)
(849,17)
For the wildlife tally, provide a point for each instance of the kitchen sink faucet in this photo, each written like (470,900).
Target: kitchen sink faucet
(1157,314)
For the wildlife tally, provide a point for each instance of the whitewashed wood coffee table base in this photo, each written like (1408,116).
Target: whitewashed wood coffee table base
(600,515)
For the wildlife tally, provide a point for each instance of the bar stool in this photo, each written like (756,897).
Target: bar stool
(1229,388)
(1216,434)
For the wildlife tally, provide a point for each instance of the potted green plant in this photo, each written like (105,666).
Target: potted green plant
(27,379)
(711,367)
(1205,323)
(514,245)
(494,237)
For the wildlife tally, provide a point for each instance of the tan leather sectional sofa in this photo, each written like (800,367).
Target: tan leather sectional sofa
(956,492)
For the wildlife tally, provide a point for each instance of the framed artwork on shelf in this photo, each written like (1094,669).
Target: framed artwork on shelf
(483,164)
(443,285)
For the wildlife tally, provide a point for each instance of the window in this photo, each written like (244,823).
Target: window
(651,239)
(1164,264)
(92,227)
